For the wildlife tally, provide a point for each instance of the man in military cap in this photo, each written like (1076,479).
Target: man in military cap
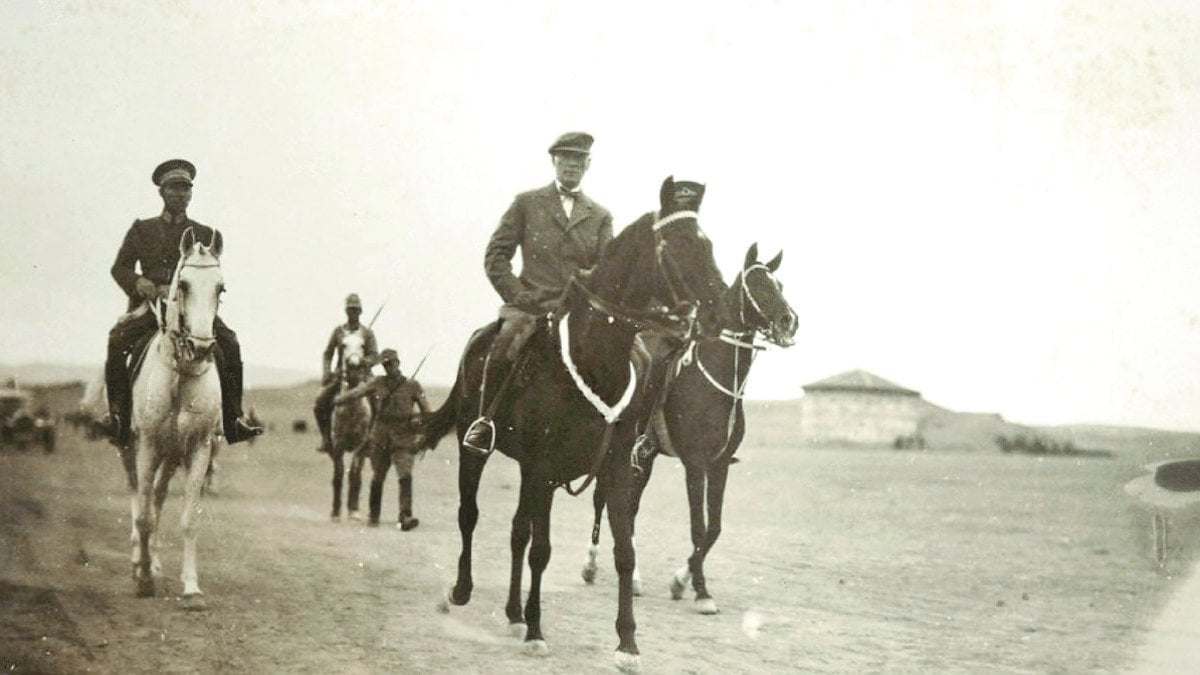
(559,231)
(330,375)
(393,437)
(151,247)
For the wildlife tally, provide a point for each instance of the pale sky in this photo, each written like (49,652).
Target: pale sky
(994,203)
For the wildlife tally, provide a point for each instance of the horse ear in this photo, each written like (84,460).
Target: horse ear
(186,242)
(751,256)
(774,264)
(666,194)
(217,244)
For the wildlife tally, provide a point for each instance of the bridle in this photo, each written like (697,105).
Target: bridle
(184,342)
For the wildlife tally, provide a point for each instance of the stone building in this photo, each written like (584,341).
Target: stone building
(860,408)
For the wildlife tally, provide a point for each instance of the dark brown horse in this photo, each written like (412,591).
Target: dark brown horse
(574,400)
(700,419)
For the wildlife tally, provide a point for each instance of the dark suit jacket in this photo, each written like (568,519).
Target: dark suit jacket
(552,246)
(153,244)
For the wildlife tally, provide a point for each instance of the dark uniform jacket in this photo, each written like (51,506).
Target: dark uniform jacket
(553,247)
(153,244)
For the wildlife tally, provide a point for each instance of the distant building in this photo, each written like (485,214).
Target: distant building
(858,407)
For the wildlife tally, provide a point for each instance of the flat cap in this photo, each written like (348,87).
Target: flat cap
(389,354)
(174,170)
(573,141)
(353,301)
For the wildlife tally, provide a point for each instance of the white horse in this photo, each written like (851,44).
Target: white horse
(177,411)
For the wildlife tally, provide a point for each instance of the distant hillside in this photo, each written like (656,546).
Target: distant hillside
(29,374)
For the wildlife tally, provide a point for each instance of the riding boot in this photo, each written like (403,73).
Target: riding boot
(375,502)
(323,412)
(407,522)
(120,398)
(237,427)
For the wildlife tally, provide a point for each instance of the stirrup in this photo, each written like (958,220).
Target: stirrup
(480,438)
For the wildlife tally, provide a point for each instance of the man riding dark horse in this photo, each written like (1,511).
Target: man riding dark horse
(331,375)
(559,231)
(153,246)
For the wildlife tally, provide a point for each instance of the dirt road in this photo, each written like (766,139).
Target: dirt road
(830,561)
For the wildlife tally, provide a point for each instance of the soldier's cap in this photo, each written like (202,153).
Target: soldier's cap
(573,141)
(353,301)
(174,171)
(389,354)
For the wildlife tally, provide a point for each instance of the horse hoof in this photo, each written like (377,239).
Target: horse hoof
(628,663)
(536,648)
(355,515)
(145,587)
(335,518)
(706,606)
(588,574)
(194,602)
(518,630)
(637,587)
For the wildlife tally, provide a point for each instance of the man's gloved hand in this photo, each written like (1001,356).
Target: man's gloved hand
(146,288)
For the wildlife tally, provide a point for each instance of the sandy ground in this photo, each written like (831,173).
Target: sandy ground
(830,561)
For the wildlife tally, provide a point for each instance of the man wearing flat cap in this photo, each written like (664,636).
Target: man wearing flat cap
(331,374)
(393,438)
(559,231)
(143,269)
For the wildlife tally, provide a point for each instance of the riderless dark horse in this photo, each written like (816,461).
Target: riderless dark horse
(700,418)
(569,407)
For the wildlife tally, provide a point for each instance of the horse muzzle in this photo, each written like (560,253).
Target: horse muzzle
(783,331)
(197,348)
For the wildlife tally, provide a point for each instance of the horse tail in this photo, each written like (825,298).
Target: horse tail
(443,420)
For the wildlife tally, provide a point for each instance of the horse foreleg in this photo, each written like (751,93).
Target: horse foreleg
(541,499)
(144,519)
(589,564)
(196,473)
(620,522)
(695,479)
(339,468)
(356,470)
(518,541)
(470,468)
(715,494)
(162,483)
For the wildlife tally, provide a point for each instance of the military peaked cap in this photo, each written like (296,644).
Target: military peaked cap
(353,301)
(389,354)
(174,170)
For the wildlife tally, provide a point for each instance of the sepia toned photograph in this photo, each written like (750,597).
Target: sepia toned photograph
(655,337)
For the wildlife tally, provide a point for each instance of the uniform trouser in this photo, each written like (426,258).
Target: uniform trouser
(383,456)
(125,336)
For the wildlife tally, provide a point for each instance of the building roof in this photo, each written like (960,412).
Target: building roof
(859,381)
